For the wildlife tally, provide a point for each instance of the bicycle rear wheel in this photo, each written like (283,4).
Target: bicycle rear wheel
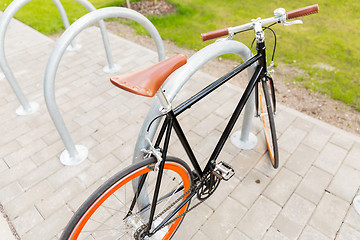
(105,214)
(267,118)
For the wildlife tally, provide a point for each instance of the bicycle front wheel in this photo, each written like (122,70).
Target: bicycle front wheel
(106,213)
(267,119)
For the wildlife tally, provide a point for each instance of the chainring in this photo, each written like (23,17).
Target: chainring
(208,187)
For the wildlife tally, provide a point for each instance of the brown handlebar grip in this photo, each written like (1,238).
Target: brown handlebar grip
(214,34)
(303,11)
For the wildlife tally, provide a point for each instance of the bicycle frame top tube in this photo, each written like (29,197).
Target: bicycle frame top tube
(203,93)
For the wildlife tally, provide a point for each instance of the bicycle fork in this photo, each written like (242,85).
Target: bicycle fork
(272,93)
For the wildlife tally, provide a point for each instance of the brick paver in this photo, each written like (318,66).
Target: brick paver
(308,197)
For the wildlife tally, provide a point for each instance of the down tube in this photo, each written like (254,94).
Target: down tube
(236,113)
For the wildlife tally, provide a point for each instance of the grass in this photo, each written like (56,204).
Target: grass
(325,45)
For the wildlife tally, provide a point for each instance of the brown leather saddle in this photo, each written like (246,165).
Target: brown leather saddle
(148,81)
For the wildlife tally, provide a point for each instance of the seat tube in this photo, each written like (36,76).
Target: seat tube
(159,177)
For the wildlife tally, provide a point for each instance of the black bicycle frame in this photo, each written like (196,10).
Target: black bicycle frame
(172,122)
(259,73)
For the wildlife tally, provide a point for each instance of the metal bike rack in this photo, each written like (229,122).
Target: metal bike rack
(178,79)
(356,203)
(26,107)
(75,154)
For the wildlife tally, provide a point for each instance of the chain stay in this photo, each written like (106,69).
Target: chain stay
(193,188)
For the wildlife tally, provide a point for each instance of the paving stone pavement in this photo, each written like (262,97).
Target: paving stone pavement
(308,197)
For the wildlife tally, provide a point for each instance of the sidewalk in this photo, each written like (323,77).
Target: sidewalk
(5,231)
(308,197)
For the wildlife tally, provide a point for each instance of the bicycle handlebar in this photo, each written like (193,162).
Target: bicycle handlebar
(279,18)
(214,34)
(303,11)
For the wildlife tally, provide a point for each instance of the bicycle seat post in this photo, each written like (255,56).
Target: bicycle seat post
(166,106)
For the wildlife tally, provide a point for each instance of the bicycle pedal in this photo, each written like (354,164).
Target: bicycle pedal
(223,171)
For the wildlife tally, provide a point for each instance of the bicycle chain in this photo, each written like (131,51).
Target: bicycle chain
(196,187)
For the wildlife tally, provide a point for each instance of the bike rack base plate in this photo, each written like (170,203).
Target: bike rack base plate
(245,144)
(114,69)
(356,203)
(71,161)
(21,111)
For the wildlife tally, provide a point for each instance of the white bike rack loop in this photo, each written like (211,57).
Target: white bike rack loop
(75,154)
(26,107)
(356,203)
(178,79)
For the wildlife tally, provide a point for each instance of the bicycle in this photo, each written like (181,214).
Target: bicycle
(150,198)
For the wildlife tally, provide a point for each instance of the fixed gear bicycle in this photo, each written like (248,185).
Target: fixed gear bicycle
(149,199)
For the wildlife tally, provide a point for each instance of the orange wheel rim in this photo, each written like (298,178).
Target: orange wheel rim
(170,166)
(266,133)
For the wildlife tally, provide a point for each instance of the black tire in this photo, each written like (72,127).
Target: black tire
(267,119)
(109,204)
